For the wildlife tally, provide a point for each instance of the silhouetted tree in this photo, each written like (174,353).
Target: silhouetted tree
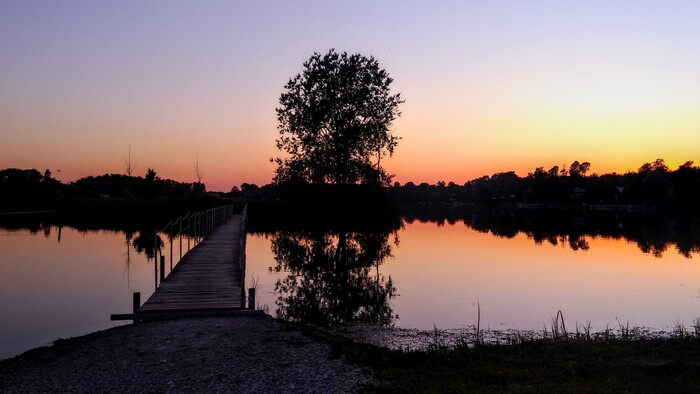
(151,186)
(129,164)
(579,170)
(334,121)
(151,175)
(657,166)
(686,183)
(655,187)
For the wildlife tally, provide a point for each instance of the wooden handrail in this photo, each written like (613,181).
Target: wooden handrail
(195,226)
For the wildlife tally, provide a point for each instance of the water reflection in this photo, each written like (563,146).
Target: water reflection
(333,277)
(653,233)
(147,241)
(59,282)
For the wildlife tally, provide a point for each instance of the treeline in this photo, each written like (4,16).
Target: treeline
(150,186)
(653,184)
(18,183)
(31,190)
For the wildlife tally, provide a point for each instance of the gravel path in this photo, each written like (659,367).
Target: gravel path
(251,354)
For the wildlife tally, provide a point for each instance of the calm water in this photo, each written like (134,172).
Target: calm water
(421,275)
(439,273)
(52,289)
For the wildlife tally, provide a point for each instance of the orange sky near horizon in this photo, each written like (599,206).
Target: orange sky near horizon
(489,87)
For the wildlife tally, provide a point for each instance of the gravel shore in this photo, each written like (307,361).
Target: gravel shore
(247,354)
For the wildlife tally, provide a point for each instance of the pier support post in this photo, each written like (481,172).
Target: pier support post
(136,304)
(251,298)
(162,269)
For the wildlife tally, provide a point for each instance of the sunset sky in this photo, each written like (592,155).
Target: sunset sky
(489,86)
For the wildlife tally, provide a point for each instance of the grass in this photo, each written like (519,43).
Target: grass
(622,359)
(543,365)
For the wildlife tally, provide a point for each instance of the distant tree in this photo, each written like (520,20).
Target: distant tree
(539,173)
(563,171)
(505,184)
(199,187)
(151,175)
(18,182)
(334,121)
(249,187)
(655,187)
(197,170)
(129,164)
(657,166)
(250,190)
(482,190)
(579,170)
(686,183)
(151,186)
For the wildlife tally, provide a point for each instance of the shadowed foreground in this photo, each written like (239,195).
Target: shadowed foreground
(212,354)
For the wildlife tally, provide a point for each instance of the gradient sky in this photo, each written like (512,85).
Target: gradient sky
(489,86)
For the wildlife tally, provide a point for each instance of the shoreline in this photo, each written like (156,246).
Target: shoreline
(257,353)
(212,354)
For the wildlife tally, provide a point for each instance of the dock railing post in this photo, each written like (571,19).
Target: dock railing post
(171,243)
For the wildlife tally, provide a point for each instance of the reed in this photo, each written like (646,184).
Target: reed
(627,334)
(479,336)
(696,327)
(474,336)
(583,331)
(679,331)
(438,344)
(559,327)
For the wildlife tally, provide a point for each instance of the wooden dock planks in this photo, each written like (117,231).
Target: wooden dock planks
(207,278)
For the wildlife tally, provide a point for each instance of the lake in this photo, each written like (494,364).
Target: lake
(428,273)
(51,288)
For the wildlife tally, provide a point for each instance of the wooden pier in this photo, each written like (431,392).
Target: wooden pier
(208,278)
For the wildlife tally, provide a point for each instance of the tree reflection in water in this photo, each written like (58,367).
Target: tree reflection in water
(146,242)
(653,232)
(333,277)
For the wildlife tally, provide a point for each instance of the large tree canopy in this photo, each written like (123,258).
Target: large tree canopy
(334,121)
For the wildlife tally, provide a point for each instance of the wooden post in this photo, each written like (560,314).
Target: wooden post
(251,298)
(155,271)
(136,304)
(162,269)
(156,249)
(136,301)
(171,244)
